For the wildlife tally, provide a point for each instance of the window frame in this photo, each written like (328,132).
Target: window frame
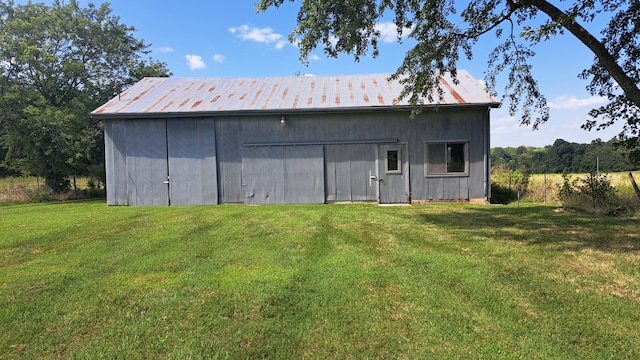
(445,144)
(398,159)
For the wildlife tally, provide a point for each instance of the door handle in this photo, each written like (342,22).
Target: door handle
(373,178)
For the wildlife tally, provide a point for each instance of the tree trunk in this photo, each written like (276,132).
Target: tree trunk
(635,186)
(605,59)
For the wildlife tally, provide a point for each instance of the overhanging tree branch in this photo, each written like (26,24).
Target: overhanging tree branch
(606,59)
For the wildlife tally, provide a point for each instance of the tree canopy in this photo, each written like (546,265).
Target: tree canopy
(444,31)
(58,63)
(563,156)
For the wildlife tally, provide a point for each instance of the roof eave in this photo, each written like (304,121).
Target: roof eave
(191,114)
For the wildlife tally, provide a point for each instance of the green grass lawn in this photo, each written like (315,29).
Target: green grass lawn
(83,280)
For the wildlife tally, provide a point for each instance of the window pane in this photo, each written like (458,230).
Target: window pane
(393,163)
(455,158)
(436,159)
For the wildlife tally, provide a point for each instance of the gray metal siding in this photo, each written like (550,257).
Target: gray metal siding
(479,157)
(303,174)
(141,153)
(348,171)
(455,188)
(341,154)
(147,163)
(445,124)
(393,184)
(115,162)
(192,162)
(450,125)
(229,151)
(283,174)
(262,170)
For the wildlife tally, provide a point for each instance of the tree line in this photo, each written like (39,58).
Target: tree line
(59,62)
(563,156)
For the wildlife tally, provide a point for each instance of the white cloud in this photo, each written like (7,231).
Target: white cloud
(280,44)
(218,58)
(195,62)
(259,35)
(572,103)
(166,49)
(389,31)
(314,57)
(504,120)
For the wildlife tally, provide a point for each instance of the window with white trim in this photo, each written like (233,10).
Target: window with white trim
(394,162)
(448,158)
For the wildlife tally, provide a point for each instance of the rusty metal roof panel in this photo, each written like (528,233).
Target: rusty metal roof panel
(302,93)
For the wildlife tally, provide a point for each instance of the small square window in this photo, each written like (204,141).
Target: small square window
(446,158)
(393,162)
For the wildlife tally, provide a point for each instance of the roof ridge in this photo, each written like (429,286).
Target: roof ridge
(267,77)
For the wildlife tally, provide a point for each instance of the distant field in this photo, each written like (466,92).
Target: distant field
(84,280)
(536,188)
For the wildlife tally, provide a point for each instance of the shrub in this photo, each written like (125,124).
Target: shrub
(98,175)
(506,183)
(593,193)
(500,194)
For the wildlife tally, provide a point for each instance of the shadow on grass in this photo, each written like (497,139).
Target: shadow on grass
(539,225)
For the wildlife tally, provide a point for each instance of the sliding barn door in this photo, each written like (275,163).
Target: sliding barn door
(283,174)
(192,162)
(171,162)
(147,171)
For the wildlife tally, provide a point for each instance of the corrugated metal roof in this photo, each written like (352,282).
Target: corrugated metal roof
(303,93)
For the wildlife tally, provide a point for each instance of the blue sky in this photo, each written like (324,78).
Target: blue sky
(219,38)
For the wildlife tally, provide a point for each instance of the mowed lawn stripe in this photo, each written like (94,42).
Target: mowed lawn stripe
(80,279)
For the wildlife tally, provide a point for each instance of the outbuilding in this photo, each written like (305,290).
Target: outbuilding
(289,140)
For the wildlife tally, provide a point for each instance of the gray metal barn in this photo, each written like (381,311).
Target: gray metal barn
(294,140)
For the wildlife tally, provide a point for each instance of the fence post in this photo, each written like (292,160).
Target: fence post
(635,186)
(545,188)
